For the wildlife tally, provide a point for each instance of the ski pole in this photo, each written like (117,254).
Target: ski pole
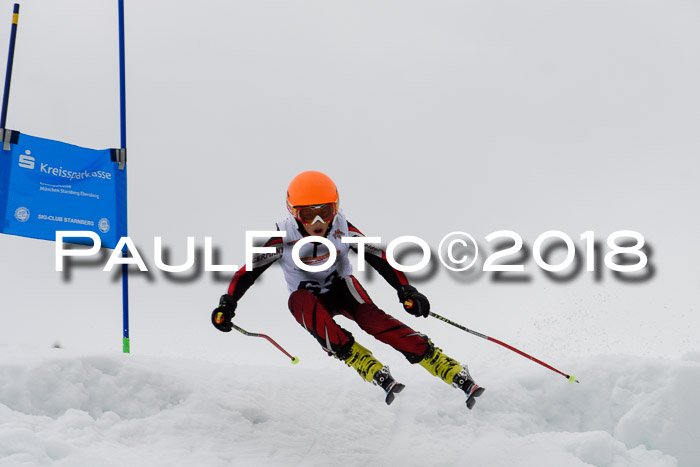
(295,359)
(571,378)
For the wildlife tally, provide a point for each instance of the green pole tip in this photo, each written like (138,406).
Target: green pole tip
(295,360)
(572,379)
(125,345)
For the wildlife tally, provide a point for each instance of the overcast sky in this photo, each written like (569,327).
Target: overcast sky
(525,116)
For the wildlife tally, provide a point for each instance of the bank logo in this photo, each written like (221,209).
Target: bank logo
(26,160)
(103,225)
(22,214)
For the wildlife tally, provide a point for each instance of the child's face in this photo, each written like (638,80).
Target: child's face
(318,228)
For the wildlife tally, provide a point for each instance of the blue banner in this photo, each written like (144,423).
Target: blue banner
(47,186)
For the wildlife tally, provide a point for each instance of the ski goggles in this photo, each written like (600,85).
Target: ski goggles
(312,214)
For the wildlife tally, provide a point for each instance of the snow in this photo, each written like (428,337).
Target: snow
(524,116)
(67,409)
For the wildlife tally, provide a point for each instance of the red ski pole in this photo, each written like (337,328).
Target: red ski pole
(294,360)
(571,378)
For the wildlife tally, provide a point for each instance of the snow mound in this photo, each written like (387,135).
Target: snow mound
(148,411)
(627,411)
(93,385)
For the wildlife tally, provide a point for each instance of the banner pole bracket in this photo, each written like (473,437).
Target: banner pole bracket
(8,137)
(119,156)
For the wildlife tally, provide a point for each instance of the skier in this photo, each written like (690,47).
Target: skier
(316,297)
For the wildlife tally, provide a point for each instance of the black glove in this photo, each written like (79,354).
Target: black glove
(413,301)
(221,317)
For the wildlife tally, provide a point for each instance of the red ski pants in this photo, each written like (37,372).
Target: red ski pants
(348,298)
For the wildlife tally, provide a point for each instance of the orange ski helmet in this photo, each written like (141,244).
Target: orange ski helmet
(311,196)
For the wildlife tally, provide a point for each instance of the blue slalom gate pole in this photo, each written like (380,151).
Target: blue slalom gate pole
(10,61)
(126,345)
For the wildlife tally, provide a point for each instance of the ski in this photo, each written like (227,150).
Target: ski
(393,389)
(474,392)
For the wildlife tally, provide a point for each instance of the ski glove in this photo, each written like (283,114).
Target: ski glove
(221,317)
(413,301)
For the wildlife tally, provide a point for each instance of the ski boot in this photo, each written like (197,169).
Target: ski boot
(371,370)
(463,380)
(451,372)
(439,364)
